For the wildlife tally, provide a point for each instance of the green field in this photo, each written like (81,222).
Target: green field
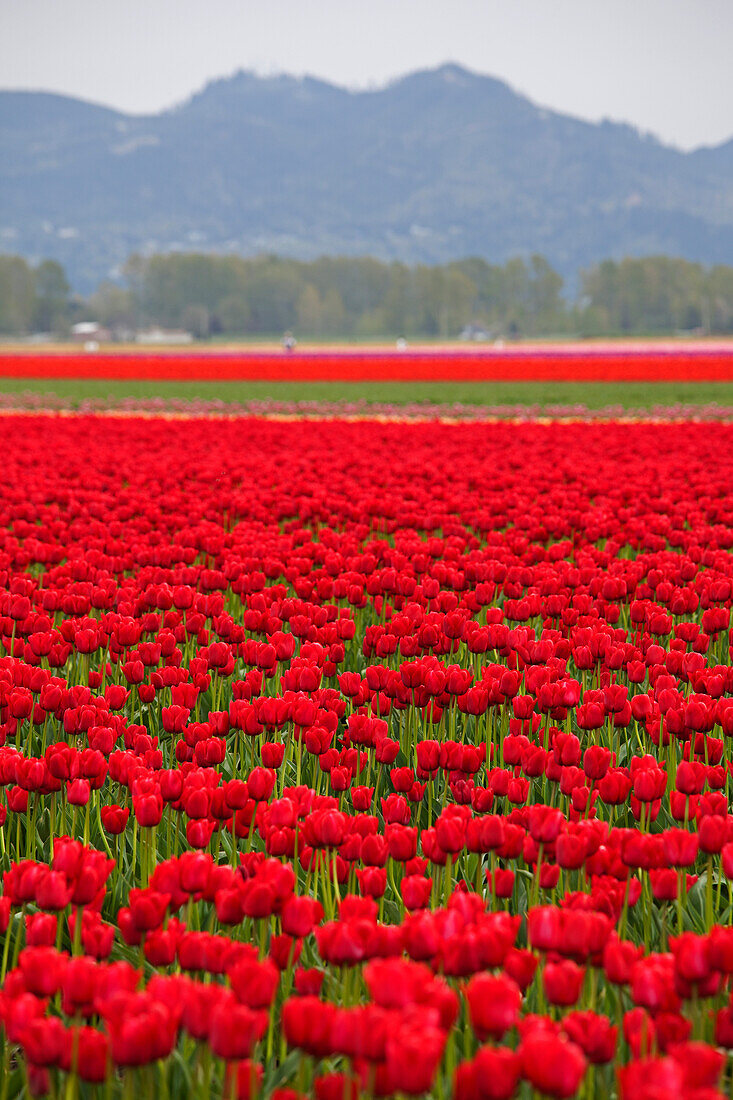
(636,395)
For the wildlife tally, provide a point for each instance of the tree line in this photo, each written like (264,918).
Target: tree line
(212,295)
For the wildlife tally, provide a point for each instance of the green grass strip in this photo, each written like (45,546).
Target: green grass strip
(594,395)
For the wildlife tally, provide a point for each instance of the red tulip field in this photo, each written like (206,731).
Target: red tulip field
(355,759)
(627,361)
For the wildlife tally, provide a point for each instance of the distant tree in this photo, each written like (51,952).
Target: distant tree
(544,295)
(133,272)
(333,314)
(717,304)
(112,306)
(234,314)
(17,294)
(196,319)
(51,294)
(458,298)
(309,310)
(399,299)
(514,290)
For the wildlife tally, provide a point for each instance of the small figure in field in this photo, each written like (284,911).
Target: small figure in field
(289,342)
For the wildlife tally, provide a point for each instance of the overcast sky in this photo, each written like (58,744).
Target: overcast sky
(663,65)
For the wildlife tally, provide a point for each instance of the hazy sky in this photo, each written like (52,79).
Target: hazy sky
(664,65)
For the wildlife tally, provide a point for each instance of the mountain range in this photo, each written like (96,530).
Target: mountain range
(440,164)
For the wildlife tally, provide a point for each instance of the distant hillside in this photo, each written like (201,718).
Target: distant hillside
(438,165)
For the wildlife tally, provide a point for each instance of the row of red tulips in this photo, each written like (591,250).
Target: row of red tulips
(622,362)
(365,760)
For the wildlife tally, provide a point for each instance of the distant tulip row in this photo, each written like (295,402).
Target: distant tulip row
(641,361)
(343,408)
